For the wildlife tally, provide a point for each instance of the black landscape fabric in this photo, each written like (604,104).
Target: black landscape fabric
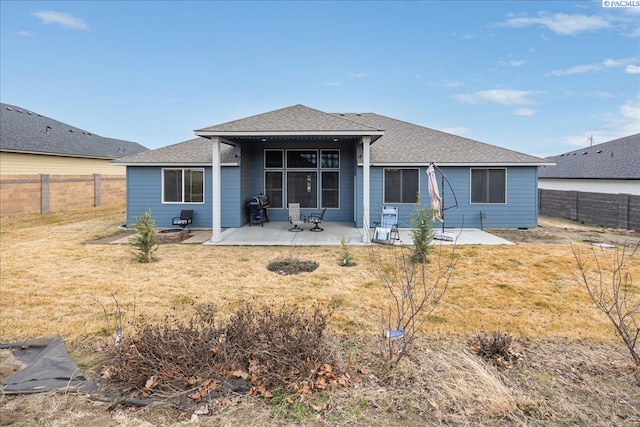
(48,367)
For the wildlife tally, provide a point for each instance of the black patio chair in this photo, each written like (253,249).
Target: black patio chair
(316,219)
(185,218)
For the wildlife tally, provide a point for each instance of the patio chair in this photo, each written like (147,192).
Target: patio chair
(386,231)
(295,218)
(185,218)
(316,219)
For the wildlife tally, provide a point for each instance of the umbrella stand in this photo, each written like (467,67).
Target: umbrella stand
(444,177)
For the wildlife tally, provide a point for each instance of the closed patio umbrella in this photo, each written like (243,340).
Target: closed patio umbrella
(436,200)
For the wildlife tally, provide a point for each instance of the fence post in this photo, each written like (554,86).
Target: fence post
(97,181)
(623,211)
(45,193)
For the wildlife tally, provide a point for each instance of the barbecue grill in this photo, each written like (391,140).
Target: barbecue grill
(258,213)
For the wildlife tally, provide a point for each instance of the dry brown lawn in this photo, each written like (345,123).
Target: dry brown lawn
(55,279)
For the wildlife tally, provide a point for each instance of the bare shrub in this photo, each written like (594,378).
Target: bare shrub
(496,347)
(610,287)
(279,348)
(414,290)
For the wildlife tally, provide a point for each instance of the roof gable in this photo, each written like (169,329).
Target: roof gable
(297,118)
(28,132)
(616,159)
(396,141)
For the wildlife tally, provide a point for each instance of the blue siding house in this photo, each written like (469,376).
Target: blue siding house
(351,164)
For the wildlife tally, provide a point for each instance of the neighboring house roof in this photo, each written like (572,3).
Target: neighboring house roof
(25,131)
(395,142)
(617,159)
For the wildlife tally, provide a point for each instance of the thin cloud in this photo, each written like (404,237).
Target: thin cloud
(560,23)
(594,68)
(65,20)
(447,83)
(498,96)
(632,69)
(510,63)
(625,122)
(24,33)
(333,83)
(524,112)
(357,75)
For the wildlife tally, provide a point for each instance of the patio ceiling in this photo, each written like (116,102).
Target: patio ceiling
(285,138)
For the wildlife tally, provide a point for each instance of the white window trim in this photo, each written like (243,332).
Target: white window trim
(506,186)
(339,158)
(282,181)
(330,171)
(286,157)
(204,180)
(318,183)
(384,192)
(264,163)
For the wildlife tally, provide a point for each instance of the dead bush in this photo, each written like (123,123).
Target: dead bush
(284,348)
(496,348)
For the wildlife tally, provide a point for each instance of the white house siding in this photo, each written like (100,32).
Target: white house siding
(607,186)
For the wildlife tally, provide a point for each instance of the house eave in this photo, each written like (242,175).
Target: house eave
(458,164)
(44,153)
(205,134)
(171,164)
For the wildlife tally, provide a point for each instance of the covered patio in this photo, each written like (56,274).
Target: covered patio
(277,234)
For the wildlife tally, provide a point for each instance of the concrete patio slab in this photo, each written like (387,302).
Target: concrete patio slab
(277,234)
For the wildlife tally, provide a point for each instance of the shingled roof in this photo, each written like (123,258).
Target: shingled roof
(617,159)
(405,142)
(394,141)
(194,152)
(297,118)
(25,131)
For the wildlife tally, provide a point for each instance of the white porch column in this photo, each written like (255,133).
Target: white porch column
(366,191)
(216,192)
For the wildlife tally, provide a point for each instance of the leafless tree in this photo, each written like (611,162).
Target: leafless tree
(414,291)
(610,286)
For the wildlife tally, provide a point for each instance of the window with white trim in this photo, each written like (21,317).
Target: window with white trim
(273,177)
(303,176)
(183,185)
(488,185)
(401,185)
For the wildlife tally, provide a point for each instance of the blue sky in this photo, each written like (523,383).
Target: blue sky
(539,77)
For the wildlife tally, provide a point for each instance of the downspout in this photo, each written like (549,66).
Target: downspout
(216,191)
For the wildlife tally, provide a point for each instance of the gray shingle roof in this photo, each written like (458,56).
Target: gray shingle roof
(617,159)
(409,143)
(192,152)
(25,131)
(402,142)
(295,118)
